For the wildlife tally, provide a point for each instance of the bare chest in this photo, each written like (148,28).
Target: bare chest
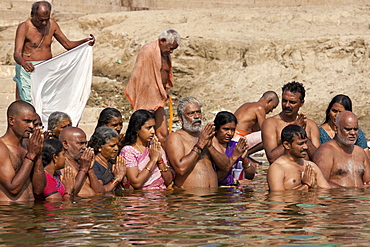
(293,178)
(17,156)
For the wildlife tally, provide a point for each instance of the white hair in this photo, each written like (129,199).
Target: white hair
(170,36)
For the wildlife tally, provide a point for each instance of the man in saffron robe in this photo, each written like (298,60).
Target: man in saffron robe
(152,77)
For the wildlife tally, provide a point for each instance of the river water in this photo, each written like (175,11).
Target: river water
(244,216)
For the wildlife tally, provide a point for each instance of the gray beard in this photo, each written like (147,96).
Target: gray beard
(188,126)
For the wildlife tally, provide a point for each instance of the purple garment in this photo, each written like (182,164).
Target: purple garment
(229,179)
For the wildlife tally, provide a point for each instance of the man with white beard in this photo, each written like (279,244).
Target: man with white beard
(343,163)
(188,148)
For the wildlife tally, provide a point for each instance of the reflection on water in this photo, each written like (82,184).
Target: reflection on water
(247,215)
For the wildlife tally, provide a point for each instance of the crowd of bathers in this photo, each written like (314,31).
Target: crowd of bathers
(60,163)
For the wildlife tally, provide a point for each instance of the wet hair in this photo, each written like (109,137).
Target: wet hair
(224,117)
(55,118)
(295,87)
(51,147)
(36,5)
(101,136)
(17,107)
(106,116)
(171,36)
(182,105)
(342,99)
(292,130)
(137,120)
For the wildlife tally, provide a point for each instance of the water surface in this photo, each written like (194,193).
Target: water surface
(247,215)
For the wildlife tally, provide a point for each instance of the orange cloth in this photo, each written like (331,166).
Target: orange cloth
(145,89)
(241,132)
(253,139)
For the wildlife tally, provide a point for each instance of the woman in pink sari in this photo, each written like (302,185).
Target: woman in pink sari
(146,161)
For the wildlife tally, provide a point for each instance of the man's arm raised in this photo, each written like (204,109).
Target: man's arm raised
(320,179)
(64,41)
(313,141)
(38,176)
(270,140)
(13,182)
(182,161)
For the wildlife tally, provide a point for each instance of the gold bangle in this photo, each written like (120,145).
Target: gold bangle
(163,170)
(148,169)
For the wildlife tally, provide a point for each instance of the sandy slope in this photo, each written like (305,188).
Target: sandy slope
(230,56)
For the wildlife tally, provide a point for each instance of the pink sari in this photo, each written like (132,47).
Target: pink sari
(134,158)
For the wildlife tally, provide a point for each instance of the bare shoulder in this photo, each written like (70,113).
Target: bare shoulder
(327,147)
(23,27)
(311,123)
(174,136)
(271,120)
(174,139)
(308,162)
(358,150)
(4,151)
(280,162)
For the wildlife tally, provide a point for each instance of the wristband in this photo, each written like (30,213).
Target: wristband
(23,62)
(195,151)
(29,158)
(82,170)
(163,170)
(160,162)
(307,185)
(118,181)
(197,146)
(114,182)
(70,194)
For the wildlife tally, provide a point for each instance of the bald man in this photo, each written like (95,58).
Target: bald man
(81,160)
(22,173)
(250,118)
(343,163)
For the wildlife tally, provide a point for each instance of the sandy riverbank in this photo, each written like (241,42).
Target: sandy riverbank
(230,56)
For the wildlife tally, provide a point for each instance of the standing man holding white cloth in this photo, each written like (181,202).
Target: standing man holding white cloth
(33,45)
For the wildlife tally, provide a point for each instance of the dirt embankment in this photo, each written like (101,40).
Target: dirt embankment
(231,56)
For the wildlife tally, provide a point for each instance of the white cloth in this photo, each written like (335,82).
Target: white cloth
(63,83)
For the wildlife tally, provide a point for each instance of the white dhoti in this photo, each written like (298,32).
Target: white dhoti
(63,83)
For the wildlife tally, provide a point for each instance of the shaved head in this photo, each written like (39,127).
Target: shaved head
(345,116)
(346,127)
(17,107)
(270,95)
(74,141)
(70,132)
(269,100)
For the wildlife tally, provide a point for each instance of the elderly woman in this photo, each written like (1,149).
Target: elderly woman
(232,153)
(57,121)
(53,160)
(145,159)
(109,168)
